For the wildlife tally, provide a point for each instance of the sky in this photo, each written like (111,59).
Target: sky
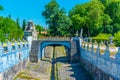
(32,9)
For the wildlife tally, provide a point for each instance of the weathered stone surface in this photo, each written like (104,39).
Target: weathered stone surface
(10,74)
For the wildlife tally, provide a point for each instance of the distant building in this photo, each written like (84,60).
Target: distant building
(30,33)
(44,32)
(30,30)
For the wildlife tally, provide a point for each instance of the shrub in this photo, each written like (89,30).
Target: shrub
(101,37)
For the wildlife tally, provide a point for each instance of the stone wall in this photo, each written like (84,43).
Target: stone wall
(94,71)
(13,71)
(103,67)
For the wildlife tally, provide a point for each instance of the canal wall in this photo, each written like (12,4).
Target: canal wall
(13,71)
(13,58)
(102,66)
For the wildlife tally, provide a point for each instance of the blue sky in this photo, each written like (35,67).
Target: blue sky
(32,9)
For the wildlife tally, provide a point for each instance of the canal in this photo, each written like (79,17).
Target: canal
(54,66)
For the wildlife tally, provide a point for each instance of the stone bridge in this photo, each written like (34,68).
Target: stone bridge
(37,49)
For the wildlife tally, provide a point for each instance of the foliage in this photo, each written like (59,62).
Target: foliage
(88,16)
(24,25)
(59,24)
(103,36)
(117,36)
(96,16)
(1,7)
(39,28)
(9,29)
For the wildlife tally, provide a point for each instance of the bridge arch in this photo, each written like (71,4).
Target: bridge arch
(43,44)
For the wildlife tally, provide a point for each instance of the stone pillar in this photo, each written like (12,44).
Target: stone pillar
(43,52)
(80,40)
(118,61)
(1,61)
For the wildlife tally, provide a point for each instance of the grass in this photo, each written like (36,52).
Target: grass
(25,75)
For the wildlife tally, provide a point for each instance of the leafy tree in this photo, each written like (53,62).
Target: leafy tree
(63,23)
(117,35)
(56,19)
(39,28)
(51,10)
(17,22)
(23,25)
(1,7)
(77,15)
(106,24)
(2,36)
(114,13)
(9,16)
(10,28)
(88,16)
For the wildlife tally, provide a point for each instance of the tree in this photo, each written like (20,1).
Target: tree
(23,25)
(9,16)
(77,15)
(113,10)
(1,7)
(10,28)
(17,22)
(63,23)
(88,16)
(2,36)
(50,11)
(107,28)
(56,19)
(39,28)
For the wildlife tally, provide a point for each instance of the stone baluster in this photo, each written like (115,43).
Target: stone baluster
(90,46)
(95,46)
(27,47)
(102,48)
(118,62)
(107,63)
(9,46)
(86,45)
(107,53)
(13,44)
(10,53)
(1,61)
(112,49)
(80,40)
(92,50)
(97,54)
(83,45)
(118,55)
(17,49)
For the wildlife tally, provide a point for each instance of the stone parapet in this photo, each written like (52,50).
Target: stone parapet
(103,61)
(12,54)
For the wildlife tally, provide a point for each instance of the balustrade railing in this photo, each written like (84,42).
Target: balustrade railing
(107,58)
(55,38)
(10,54)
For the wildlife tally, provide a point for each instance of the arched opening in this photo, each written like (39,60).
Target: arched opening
(47,51)
(46,45)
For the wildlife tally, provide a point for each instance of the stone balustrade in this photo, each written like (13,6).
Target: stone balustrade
(106,58)
(11,53)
